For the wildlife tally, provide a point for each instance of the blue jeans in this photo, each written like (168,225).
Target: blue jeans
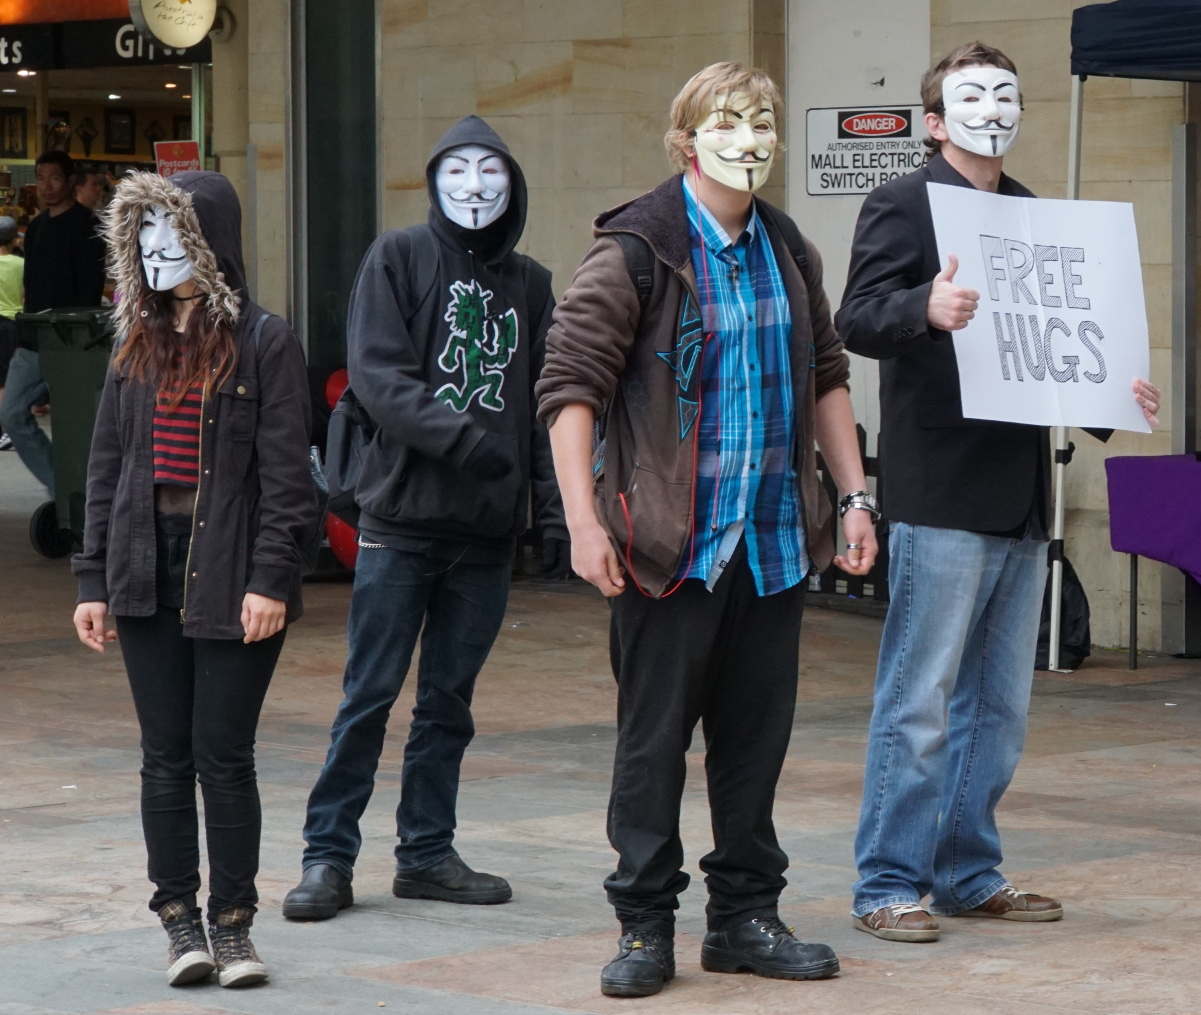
(395,593)
(24,389)
(949,718)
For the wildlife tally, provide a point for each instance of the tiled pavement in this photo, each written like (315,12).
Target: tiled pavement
(1105,813)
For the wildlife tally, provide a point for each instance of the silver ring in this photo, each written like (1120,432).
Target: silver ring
(853,546)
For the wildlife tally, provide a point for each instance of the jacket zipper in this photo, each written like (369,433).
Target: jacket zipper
(187,575)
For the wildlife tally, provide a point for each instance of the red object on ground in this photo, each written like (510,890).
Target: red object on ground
(335,384)
(343,540)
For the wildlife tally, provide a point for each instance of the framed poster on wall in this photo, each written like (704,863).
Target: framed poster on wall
(119,131)
(14,132)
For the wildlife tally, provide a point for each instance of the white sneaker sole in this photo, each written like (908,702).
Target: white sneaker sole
(244,974)
(1016,915)
(895,933)
(190,968)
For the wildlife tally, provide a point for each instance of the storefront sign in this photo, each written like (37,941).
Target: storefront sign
(117,43)
(26,47)
(176,156)
(1061,330)
(854,149)
(175,23)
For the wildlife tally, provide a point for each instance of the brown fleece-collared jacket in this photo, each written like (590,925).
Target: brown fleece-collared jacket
(603,352)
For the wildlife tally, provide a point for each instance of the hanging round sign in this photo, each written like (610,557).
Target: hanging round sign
(176,24)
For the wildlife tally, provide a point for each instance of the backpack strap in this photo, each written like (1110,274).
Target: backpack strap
(422,266)
(258,331)
(793,240)
(640,263)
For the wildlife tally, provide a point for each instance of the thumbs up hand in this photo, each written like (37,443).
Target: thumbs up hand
(950,306)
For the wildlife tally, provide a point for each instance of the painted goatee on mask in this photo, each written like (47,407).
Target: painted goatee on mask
(736,142)
(163,257)
(473,186)
(983,109)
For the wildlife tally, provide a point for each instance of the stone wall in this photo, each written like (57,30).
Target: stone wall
(1127,157)
(579,89)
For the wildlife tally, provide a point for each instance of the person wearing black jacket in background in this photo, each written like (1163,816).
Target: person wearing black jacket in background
(64,267)
(199,499)
(447,376)
(969,501)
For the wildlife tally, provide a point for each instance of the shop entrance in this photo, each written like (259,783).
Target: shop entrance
(94,88)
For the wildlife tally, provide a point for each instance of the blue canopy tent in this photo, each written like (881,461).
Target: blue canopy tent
(1160,40)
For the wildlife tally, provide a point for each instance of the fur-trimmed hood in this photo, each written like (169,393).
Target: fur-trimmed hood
(205,210)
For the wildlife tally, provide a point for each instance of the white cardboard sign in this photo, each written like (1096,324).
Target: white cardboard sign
(1061,330)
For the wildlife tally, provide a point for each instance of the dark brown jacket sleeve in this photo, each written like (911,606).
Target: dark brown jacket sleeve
(832,365)
(592,332)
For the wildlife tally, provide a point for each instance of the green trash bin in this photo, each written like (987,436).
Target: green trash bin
(73,347)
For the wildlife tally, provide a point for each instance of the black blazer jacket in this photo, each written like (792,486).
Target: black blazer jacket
(938,468)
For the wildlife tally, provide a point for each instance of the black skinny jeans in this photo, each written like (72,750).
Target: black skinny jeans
(198,703)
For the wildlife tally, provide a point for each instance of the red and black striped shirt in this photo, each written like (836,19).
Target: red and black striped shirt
(177,438)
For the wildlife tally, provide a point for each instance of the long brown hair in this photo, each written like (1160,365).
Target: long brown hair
(203,354)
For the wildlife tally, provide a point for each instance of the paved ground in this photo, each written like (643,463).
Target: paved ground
(1104,813)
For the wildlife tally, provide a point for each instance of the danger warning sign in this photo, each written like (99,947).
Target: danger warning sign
(854,150)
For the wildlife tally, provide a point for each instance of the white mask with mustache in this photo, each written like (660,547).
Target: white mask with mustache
(164,259)
(736,142)
(983,109)
(473,186)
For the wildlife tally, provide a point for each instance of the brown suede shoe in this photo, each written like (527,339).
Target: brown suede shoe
(1025,907)
(899,923)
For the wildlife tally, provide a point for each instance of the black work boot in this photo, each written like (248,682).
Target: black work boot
(451,880)
(323,891)
(766,947)
(644,962)
(188,958)
(238,964)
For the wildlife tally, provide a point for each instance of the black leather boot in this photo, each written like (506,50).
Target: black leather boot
(322,892)
(451,880)
(645,961)
(766,947)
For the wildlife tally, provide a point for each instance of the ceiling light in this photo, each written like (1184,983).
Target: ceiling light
(26,73)
(170,84)
(185,96)
(113,95)
(9,90)
(184,66)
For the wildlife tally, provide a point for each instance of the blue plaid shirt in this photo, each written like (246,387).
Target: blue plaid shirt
(745,484)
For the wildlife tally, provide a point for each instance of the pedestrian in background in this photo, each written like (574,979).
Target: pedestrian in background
(94,190)
(199,498)
(12,296)
(64,267)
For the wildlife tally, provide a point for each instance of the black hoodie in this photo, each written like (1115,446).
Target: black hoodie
(438,368)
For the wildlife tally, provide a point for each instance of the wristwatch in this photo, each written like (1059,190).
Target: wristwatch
(859,499)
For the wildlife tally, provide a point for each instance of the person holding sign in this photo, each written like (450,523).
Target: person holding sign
(969,502)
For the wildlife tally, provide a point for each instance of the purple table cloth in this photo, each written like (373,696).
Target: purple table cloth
(1155,508)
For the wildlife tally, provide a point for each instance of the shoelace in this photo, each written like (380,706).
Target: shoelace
(1013,894)
(186,936)
(906,907)
(233,944)
(776,926)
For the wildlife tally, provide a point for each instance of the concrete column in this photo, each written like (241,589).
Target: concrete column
(231,122)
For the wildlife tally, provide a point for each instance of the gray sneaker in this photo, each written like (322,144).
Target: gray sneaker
(188,958)
(238,964)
